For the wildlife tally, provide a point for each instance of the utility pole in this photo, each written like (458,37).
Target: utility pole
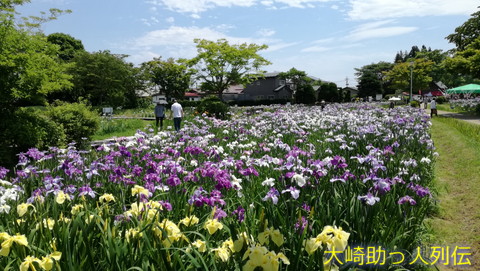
(346,82)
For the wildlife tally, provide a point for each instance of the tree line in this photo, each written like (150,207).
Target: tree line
(421,65)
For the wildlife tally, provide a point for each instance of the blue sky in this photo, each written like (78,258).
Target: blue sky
(327,39)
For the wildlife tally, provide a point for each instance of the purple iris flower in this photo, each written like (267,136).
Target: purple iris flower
(239,213)
(86,190)
(293,191)
(3,172)
(301,224)
(369,199)
(219,214)
(407,199)
(273,195)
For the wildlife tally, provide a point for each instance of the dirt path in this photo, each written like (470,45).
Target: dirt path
(458,180)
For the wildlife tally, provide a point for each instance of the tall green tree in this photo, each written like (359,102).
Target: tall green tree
(104,79)
(300,84)
(465,64)
(29,70)
(328,92)
(369,85)
(69,46)
(220,64)
(416,70)
(371,79)
(467,33)
(170,77)
(29,66)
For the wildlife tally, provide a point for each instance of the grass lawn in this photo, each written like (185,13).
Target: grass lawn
(457,177)
(119,127)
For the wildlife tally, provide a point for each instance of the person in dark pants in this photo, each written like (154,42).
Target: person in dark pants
(177,113)
(159,114)
(433,108)
(392,104)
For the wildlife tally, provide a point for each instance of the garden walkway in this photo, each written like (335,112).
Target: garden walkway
(465,117)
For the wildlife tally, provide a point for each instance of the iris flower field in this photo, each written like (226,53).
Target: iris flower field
(279,188)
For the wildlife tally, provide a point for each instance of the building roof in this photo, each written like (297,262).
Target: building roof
(191,94)
(234,89)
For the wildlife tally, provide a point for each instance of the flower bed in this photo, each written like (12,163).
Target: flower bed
(279,189)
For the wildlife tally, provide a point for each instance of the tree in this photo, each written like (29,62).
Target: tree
(69,46)
(328,92)
(467,33)
(371,79)
(401,73)
(219,64)
(465,65)
(170,77)
(29,70)
(29,66)
(369,85)
(104,78)
(305,94)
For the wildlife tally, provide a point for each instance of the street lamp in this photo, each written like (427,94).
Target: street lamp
(411,79)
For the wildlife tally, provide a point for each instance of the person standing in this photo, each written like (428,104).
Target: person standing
(159,114)
(433,108)
(177,113)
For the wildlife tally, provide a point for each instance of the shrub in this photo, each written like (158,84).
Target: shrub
(186,103)
(213,107)
(441,100)
(79,121)
(415,104)
(25,129)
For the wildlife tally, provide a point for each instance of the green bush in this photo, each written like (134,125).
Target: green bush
(186,103)
(26,128)
(441,100)
(213,107)
(79,121)
(415,104)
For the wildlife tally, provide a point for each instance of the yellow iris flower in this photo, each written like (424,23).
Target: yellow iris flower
(23,208)
(106,198)
(259,256)
(137,189)
(331,237)
(47,262)
(275,235)
(76,209)
(61,197)
(28,263)
(200,245)
(9,240)
(190,221)
(212,225)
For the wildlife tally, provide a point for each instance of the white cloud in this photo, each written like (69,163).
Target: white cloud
(265,32)
(315,49)
(378,30)
(170,20)
(381,9)
(178,42)
(199,6)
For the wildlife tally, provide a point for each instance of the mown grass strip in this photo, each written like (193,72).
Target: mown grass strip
(457,178)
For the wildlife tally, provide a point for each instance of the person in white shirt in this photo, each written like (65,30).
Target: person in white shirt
(177,113)
(433,108)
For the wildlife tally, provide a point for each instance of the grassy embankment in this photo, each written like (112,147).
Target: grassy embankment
(457,177)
